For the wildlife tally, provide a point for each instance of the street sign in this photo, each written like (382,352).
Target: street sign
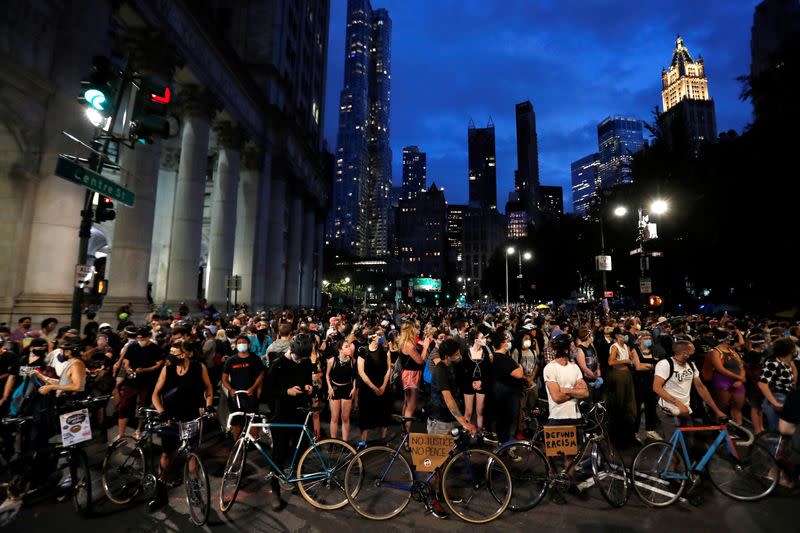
(83,275)
(656,254)
(72,171)
(602,263)
(234,283)
(636,251)
(645,286)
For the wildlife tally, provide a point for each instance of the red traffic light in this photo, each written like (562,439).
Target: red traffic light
(159,99)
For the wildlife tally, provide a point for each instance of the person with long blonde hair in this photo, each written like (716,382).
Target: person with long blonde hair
(413,364)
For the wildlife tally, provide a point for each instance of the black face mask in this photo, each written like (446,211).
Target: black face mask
(174,359)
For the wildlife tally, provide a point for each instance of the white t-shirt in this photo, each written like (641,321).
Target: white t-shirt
(679,385)
(566,376)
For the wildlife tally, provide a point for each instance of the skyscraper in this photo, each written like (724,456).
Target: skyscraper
(526,178)
(517,217)
(358,221)
(551,200)
(482,166)
(618,139)
(414,172)
(584,183)
(422,233)
(685,97)
(455,233)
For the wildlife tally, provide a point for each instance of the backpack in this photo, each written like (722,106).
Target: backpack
(22,395)
(426,373)
(671,364)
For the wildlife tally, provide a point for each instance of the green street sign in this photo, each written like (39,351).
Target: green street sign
(72,171)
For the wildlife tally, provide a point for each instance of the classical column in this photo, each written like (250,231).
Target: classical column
(165,207)
(49,251)
(261,258)
(223,211)
(319,237)
(294,249)
(276,243)
(307,257)
(255,177)
(187,219)
(129,262)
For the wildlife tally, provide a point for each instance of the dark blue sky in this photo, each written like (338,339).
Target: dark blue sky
(578,61)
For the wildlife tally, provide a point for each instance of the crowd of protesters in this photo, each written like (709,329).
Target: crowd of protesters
(479,368)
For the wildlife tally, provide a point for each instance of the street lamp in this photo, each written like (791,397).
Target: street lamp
(620,211)
(520,254)
(509,251)
(659,207)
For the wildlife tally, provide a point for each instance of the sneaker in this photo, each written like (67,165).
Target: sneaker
(654,435)
(438,511)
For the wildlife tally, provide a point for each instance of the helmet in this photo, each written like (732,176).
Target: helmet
(301,345)
(562,343)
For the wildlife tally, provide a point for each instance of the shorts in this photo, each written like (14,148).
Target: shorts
(437,427)
(411,379)
(722,383)
(342,392)
(131,398)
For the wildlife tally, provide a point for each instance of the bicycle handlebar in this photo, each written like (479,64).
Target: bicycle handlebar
(241,413)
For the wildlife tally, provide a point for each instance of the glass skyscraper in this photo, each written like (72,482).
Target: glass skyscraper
(414,172)
(584,183)
(358,221)
(618,139)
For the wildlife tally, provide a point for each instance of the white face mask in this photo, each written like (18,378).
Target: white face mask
(526,344)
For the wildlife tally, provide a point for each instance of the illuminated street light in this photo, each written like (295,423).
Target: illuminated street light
(527,256)
(346,280)
(620,211)
(659,207)
(510,250)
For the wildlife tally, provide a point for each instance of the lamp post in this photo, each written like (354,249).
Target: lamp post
(510,250)
(657,207)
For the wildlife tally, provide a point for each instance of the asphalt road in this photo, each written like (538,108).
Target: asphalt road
(251,512)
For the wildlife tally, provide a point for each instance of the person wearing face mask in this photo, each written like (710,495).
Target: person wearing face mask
(242,372)
(527,357)
(587,361)
(141,363)
(341,378)
(475,373)
(646,399)
(753,360)
(181,392)
(507,385)
(778,379)
(73,374)
(620,392)
(726,369)
(290,379)
(374,369)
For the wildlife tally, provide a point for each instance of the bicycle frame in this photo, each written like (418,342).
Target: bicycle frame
(304,432)
(678,440)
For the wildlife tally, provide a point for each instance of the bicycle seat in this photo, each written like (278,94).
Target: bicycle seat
(310,409)
(148,413)
(403,419)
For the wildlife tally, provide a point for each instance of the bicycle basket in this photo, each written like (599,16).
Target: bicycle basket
(189,430)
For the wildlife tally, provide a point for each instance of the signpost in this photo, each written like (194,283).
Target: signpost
(83,275)
(603,263)
(645,286)
(72,171)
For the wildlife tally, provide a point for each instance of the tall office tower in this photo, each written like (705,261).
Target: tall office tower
(414,172)
(685,98)
(455,233)
(551,200)
(618,139)
(584,183)
(358,221)
(517,217)
(482,166)
(422,234)
(526,177)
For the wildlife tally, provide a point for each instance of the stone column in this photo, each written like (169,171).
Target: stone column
(276,243)
(261,260)
(187,219)
(165,207)
(254,179)
(307,257)
(294,249)
(223,212)
(129,262)
(49,254)
(319,237)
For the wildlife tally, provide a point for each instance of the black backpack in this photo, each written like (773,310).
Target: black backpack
(671,364)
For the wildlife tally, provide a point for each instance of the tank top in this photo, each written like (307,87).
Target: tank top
(590,355)
(623,354)
(342,373)
(408,361)
(64,378)
(183,395)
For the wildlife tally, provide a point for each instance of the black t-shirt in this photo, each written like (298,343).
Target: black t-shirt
(9,365)
(791,407)
(243,371)
(144,357)
(284,374)
(442,379)
(502,367)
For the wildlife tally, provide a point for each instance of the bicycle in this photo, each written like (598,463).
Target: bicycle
(663,470)
(29,475)
(380,482)
(320,468)
(127,472)
(786,451)
(532,474)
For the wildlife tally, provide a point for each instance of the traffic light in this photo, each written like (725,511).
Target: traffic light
(105,210)
(149,119)
(101,287)
(99,90)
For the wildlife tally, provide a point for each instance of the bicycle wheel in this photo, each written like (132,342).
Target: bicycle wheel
(378,484)
(659,476)
(198,493)
(780,447)
(324,465)
(608,471)
(529,472)
(81,482)
(751,476)
(124,470)
(232,475)
(466,482)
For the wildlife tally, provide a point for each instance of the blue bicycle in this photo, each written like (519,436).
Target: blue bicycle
(662,471)
(320,469)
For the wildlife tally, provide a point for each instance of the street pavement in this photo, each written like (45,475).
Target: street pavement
(252,512)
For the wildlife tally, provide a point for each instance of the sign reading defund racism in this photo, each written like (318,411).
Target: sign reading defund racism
(429,451)
(560,440)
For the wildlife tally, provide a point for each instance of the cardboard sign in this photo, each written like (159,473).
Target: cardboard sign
(75,427)
(560,440)
(429,451)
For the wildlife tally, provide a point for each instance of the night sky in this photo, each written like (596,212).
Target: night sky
(578,61)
